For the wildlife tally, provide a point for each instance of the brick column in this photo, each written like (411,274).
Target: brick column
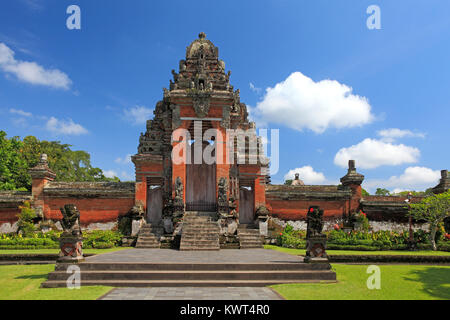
(353,181)
(40,175)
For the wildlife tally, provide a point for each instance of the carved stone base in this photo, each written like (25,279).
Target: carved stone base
(316,250)
(71,249)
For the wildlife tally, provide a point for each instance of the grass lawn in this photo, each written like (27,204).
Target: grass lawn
(56,251)
(398,282)
(354,252)
(22,283)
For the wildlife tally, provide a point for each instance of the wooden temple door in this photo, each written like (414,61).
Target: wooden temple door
(200,184)
(246,207)
(154,204)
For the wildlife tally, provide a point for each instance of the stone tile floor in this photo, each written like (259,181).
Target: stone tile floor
(192,293)
(176,256)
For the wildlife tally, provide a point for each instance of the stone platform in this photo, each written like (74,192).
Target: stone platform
(173,268)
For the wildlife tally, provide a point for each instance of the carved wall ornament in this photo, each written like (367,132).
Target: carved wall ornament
(200,100)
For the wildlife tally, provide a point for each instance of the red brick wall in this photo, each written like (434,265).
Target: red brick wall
(91,210)
(297,209)
(8,215)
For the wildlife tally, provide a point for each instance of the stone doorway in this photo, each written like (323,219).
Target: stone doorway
(246,207)
(154,204)
(200,183)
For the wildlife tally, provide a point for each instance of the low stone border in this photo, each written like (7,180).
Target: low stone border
(389,259)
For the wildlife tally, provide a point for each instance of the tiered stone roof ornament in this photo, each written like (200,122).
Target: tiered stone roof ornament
(444,183)
(41,170)
(352,177)
(297,181)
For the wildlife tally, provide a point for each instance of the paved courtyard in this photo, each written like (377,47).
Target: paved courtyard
(176,256)
(191,293)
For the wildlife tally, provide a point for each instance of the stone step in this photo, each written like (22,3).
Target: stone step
(149,266)
(197,275)
(146,238)
(145,242)
(250,237)
(200,228)
(199,243)
(180,283)
(251,246)
(252,234)
(200,237)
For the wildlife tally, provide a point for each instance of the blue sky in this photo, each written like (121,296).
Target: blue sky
(94,87)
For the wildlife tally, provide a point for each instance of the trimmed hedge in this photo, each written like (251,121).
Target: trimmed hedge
(96,239)
(360,240)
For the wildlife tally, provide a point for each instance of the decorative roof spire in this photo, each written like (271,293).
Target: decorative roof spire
(41,170)
(202,35)
(444,183)
(352,177)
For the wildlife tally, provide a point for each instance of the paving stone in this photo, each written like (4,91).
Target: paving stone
(188,293)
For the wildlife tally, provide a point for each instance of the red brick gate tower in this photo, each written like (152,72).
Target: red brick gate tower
(200,111)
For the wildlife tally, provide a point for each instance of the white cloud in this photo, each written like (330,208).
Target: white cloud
(254,88)
(31,72)
(390,135)
(307,175)
(372,153)
(20,112)
(124,160)
(300,103)
(65,127)
(138,114)
(109,173)
(413,178)
(123,175)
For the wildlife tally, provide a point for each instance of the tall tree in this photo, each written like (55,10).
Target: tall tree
(13,168)
(17,156)
(433,209)
(382,192)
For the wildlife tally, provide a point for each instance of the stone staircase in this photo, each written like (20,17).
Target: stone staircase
(140,274)
(200,231)
(149,236)
(249,237)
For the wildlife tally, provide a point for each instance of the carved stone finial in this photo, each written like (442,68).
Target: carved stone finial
(201,35)
(44,158)
(444,183)
(352,177)
(351,165)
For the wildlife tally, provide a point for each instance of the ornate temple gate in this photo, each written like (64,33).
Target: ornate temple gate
(200,184)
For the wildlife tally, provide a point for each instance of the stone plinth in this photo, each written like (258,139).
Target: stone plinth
(316,249)
(71,249)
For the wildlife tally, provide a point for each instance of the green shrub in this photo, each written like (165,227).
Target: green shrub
(26,216)
(101,239)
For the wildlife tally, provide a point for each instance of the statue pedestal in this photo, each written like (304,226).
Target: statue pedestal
(136,226)
(316,249)
(71,249)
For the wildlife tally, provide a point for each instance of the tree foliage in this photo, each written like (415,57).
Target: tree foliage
(26,220)
(433,209)
(17,156)
(382,192)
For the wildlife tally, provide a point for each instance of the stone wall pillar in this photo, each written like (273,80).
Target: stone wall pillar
(40,175)
(444,183)
(353,180)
